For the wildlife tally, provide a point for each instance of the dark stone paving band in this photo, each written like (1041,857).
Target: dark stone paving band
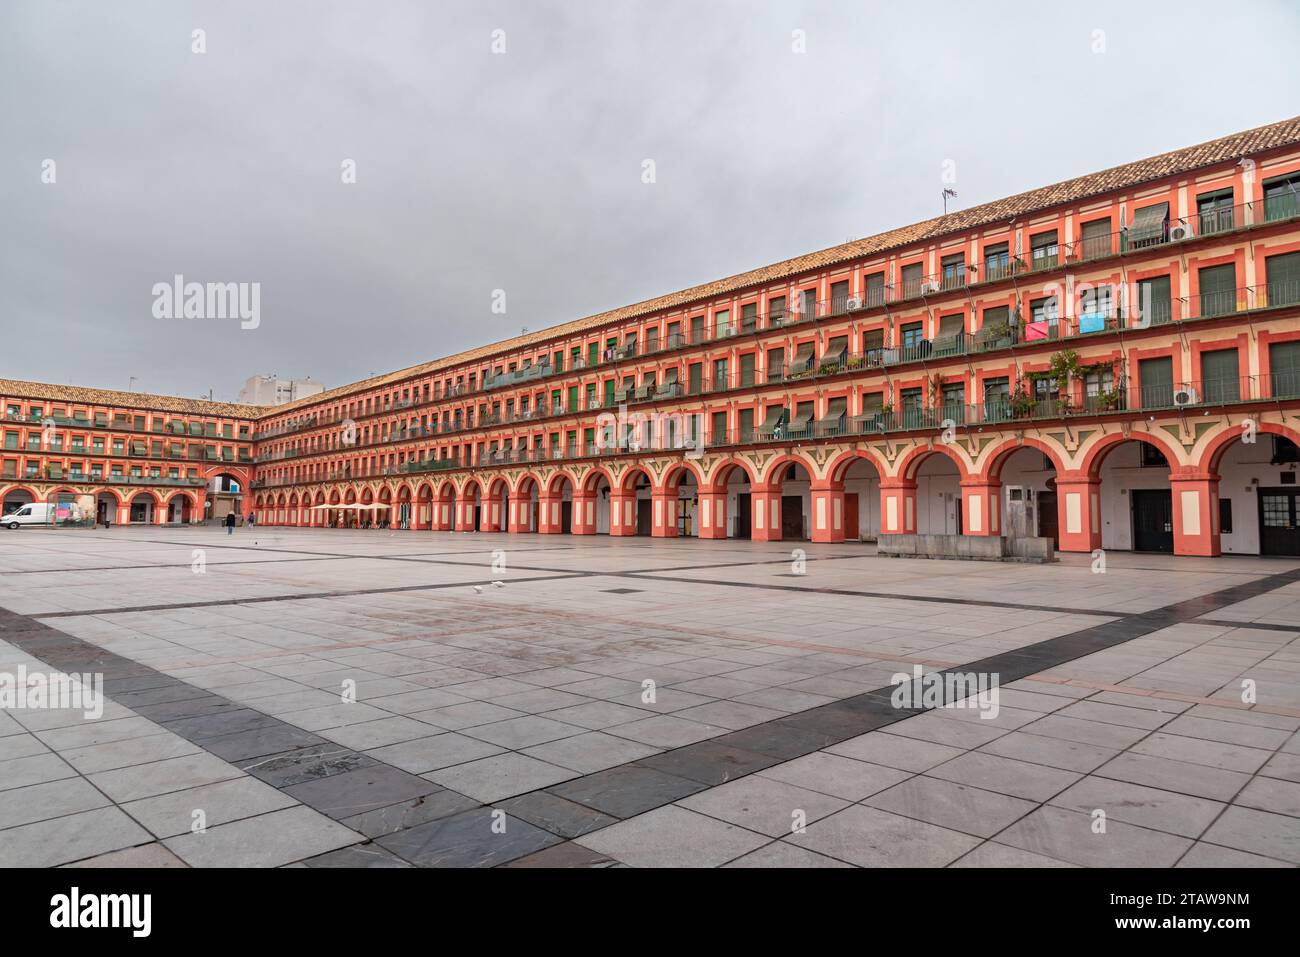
(411,820)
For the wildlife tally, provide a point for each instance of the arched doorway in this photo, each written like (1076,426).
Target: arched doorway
(558,509)
(16,498)
(738,514)
(596,485)
(1257,511)
(142,508)
(1137,509)
(791,500)
(938,496)
(525,505)
(638,503)
(1028,494)
(179,509)
(106,507)
(860,479)
(225,494)
(684,494)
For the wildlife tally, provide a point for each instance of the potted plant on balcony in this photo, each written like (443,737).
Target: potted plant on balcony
(1109,400)
(1022,404)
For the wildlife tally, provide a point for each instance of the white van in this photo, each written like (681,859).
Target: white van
(38,513)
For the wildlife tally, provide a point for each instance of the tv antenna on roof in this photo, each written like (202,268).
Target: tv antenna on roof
(948,191)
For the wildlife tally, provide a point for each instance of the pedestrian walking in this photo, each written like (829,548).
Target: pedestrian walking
(230,523)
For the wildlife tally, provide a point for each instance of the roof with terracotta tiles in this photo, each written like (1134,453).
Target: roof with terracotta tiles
(1225,149)
(79,395)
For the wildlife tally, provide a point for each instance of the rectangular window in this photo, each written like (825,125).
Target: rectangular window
(912,280)
(718,432)
(954,270)
(913,408)
(997,262)
(1044,252)
(1284,368)
(1154,303)
(1214,212)
(1220,379)
(1150,226)
(839,297)
(747,369)
(874,292)
(1281,197)
(1282,274)
(1156,382)
(1095,239)
(1218,289)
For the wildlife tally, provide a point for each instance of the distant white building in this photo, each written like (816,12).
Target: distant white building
(272,390)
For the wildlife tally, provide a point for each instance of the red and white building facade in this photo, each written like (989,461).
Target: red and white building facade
(1111,362)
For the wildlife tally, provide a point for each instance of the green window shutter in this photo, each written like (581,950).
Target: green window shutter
(1220,376)
(1156,382)
(1154,303)
(1218,289)
(1284,368)
(1283,278)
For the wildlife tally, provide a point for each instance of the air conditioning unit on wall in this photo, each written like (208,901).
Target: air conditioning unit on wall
(1181,231)
(1187,396)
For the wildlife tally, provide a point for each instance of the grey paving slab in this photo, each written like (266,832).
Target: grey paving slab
(500,776)
(1070,836)
(761,804)
(145,856)
(783,854)
(42,802)
(72,837)
(957,807)
(33,769)
(990,854)
(1153,808)
(172,814)
(673,837)
(395,817)
(590,751)
(356,792)
(870,837)
(1257,832)
(835,775)
(269,840)
(895,751)
(434,752)
(1034,782)
(475,838)
(627,791)
(162,777)
(552,813)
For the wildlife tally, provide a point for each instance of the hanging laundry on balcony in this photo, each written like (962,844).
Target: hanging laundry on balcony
(771,427)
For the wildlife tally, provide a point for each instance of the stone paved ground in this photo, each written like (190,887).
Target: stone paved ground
(524,704)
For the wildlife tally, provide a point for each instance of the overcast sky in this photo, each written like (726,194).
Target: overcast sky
(523,170)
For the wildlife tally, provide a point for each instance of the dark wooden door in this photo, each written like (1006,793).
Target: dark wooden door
(1279,521)
(792,517)
(851,531)
(1153,520)
(644,516)
(566,517)
(1048,519)
(744,517)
